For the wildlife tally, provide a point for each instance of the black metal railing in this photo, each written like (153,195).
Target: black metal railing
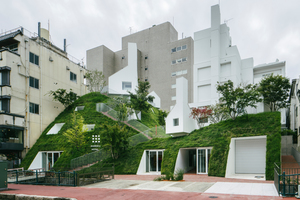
(59,178)
(286,180)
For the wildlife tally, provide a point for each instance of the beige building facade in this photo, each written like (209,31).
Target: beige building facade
(31,66)
(161,58)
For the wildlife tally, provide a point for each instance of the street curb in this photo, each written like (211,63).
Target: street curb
(6,196)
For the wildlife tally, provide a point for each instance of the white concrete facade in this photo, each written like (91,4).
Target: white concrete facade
(178,121)
(125,80)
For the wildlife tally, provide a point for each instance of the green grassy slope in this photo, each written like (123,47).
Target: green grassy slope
(58,142)
(217,136)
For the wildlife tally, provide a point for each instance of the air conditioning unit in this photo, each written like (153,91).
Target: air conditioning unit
(50,59)
(67,68)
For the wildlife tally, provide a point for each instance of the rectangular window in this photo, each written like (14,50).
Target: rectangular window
(179,60)
(33,82)
(33,58)
(5,105)
(203,120)
(176,122)
(73,77)
(126,85)
(34,108)
(174,50)
(183,47)
(178,49)
(183,59)
(173,62)
(5,77)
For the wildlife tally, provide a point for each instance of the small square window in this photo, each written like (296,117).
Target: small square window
(178,49)
(174,50)
(176,122)
(34,108)
(179,60)
(183,59)
(73,77)
(33,82)
(183,47)
(33,58)
(126,85)
(173,62)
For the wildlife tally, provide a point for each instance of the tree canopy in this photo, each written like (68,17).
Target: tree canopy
(275,91)
(139,101)
(64,97)
(236,99)
(95,80)
(114,139)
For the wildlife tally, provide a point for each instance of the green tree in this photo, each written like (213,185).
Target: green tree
(219,113)
(237,99)
(275,91)
(95,80)
(119,104)
(64,97)
(161,117)
(114,139)
(139,101)
(76,134)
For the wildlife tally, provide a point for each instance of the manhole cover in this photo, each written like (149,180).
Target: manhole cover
(213,197)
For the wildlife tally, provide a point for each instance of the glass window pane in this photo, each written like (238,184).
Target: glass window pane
(36,83)
(153,161)
(31,57)
(178,48)
(183,47)
(201,161)
(50,161)
(174,50)
(56,156)
(159,160)
(147,161)
(31,82)
(183,59)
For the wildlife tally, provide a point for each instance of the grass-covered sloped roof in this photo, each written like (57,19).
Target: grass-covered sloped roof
(217,136)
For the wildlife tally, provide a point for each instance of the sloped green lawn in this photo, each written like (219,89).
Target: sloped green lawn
(217,136)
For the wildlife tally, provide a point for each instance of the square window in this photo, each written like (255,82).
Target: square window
(176,122)
(174,50)
(33,82)
(183,59)
(178,49)
(179,60)
(73,77)
(33,58)
(183,47)
(34,108)
(126,85)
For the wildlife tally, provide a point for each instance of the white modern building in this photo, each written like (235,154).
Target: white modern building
(31,66)
(294,114)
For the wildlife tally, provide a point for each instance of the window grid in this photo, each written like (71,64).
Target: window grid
(33,82)
(33,108)
(73,77)
(33,58)
(180,48)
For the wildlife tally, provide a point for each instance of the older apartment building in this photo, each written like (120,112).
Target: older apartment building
(31,66)
(161,58)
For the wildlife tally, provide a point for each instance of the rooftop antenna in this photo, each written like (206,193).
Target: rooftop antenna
(130,29)
(227,20)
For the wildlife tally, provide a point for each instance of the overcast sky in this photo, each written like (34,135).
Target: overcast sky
(263,29)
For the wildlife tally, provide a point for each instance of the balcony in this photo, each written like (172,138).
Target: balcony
(11,132)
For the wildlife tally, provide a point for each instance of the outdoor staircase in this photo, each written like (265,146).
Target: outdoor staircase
(125,122)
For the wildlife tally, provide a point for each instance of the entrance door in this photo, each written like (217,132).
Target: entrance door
(153,160)
(203,156)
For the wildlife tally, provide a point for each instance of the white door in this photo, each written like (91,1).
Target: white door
(250,156)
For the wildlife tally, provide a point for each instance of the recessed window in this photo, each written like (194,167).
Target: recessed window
(33,58)
(146,68)
(5,105)
(126,85)
(5,77)
(183,47)
(183,59)
(33,82)
(179,60)
(176,122)
(73,77)
(203,120)
(34,108)
(173,50)
(178,49)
